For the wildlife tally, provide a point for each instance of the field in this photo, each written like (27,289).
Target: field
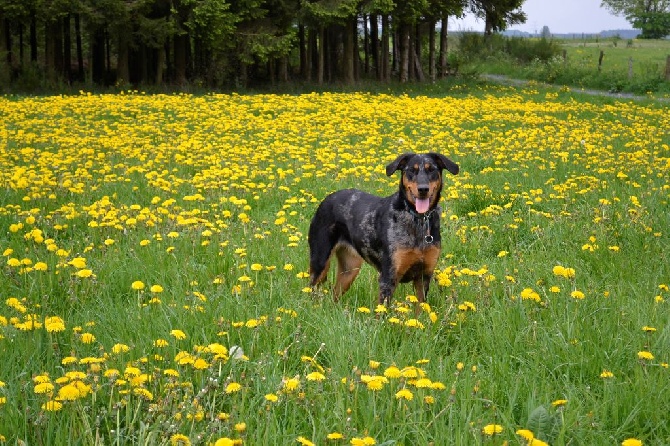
(153,279)
(579,68)
(648,56)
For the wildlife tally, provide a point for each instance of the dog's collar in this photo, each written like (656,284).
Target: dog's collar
(423,220)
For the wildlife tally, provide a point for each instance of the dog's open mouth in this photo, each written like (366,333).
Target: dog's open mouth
(421,204)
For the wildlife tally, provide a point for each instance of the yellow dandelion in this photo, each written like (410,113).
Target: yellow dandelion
(69,392)
(156,289)
(304,441)
(178,334)
(577,294)
(84,273)
(364,441)
(52,406)
(45,387)
(392,372)
(315,376)
(120,348)
(492,429)
(606,374)
(405,394)
(137,285)
(54,324)
(233,387)
(291,384)
(645,355)
(180,440)
(87,338)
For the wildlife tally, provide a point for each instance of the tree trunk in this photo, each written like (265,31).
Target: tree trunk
(160,63)
(5,51)
(67,48)
(303,51)
(366,45)
(348,56)
(374,45)
(122,63)
(385,66)
(180,41)
(282,68)
(21,46)
(98,56)
(416,56)
(312,53)
(50,44)
(404,43)
(33,37)
(443,68)
(322,55)
(431,50)
(80,52)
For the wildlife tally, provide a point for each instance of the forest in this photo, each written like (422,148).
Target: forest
(232,43)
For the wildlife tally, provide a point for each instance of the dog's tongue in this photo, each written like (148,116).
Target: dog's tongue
(422,205)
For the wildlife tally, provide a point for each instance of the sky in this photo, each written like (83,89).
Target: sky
(561,16)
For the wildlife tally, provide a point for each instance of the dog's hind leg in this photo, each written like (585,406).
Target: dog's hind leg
(348,266)
(320,249)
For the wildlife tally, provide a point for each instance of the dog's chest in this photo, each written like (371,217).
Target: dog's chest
(415,250)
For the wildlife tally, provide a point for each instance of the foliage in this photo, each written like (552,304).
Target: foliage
(634,68)
(153,283)
(650,16)
(474,46)
(498,14)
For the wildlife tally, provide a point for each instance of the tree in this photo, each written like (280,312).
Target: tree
(652,17)
(545,33)
(498,14)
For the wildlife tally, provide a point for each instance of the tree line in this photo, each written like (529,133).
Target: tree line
(236,43)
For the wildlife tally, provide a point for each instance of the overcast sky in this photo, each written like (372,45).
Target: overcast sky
(564,16)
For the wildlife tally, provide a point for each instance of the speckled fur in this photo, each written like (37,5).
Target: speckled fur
(388,233)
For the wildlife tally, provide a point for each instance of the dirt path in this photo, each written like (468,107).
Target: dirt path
(505,80)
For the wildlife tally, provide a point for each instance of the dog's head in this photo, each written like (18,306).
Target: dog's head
(421,180)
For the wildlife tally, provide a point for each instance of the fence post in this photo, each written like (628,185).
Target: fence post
(600,59)
(667,69)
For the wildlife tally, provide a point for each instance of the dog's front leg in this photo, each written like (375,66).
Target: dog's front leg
(421,285)
(387,285)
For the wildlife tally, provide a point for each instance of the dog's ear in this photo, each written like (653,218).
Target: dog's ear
(444,163)
(398,164)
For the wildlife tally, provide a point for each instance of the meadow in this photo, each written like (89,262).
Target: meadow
(631,66)
(154,289)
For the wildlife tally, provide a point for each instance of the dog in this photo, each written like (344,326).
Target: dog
(399,235)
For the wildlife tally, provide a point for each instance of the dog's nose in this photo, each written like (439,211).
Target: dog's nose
(423,189)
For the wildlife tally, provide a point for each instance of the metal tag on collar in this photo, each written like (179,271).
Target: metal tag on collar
(428,239)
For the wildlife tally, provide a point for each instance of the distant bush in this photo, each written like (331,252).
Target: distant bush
(478,47)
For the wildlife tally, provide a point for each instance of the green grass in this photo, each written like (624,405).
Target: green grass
(210,197)
(632,66)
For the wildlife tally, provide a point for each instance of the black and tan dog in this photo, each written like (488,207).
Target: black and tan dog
(399,235)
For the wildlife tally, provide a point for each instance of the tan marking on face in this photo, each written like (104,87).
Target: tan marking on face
(410,189)
(434,186)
